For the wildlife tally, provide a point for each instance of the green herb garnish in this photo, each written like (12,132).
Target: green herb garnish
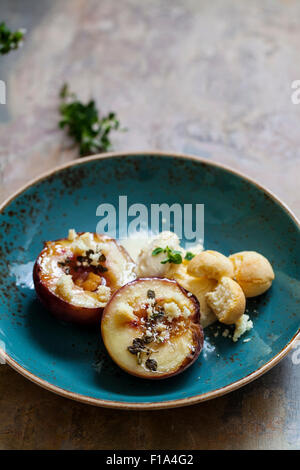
(84,125)
(173,256)
(157,251)
(189,255)
(10,40)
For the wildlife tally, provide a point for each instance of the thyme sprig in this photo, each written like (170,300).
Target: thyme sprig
(189,255)
(83,123)
(173,256)
(10,40)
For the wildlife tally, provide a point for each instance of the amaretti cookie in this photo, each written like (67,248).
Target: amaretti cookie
(253,272)
(227,301)
(210,264)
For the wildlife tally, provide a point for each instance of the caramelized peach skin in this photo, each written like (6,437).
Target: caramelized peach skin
(58,306)
(193,331)
(61,309)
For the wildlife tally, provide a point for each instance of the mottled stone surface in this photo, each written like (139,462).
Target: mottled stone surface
(208,78)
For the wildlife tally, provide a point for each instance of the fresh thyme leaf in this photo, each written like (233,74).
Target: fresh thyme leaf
(10,40)
(83,123)
(157,251)
(189,255)
(173,256)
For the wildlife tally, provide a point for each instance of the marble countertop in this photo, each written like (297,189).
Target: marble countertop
(206,78)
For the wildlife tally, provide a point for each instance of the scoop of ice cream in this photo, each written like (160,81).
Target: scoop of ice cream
(149,265)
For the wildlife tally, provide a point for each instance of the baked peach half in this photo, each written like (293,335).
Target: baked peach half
(76,276)
(151,328)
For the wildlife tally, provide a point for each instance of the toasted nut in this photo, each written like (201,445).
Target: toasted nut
(253,272)
(227,301)
(210,264)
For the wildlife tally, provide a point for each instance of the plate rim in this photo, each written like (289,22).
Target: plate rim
(168,403)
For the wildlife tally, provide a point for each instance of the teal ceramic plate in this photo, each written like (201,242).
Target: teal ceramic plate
(71,361)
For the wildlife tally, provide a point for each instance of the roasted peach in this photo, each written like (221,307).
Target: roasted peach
(76,276)
(151,328)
